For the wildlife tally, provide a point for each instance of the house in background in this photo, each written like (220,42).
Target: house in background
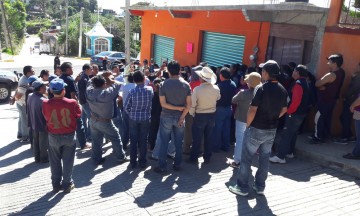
(98,40)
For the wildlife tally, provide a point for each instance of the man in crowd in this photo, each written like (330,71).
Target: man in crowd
(203,107)
(175,99)
(101,92)
(72,93)
(223,111)
(296,113)
(37,122)
(19,97)
(328,87)
(138,107)
(56,61)
(60,114)
(269,103)
(82,84)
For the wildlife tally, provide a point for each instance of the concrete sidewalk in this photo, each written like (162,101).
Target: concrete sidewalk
(299,187)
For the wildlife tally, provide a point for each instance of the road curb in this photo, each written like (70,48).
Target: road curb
(7,60)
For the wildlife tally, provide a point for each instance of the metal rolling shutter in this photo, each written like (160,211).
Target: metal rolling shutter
(219,49)
(163,49)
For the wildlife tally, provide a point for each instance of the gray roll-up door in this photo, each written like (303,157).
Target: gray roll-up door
(163,49)
(219,49)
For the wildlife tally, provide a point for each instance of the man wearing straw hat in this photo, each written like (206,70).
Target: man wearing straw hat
(203,109)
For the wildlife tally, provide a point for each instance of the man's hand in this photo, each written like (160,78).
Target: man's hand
(181,122)
(181,109)
(12,101)
(77,78)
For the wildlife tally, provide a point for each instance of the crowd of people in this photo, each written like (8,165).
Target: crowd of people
(171,111)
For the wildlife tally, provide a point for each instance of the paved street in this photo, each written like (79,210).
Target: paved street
(296,188)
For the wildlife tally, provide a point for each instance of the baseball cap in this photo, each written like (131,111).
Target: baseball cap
(37,83)
(271,67)
(57,84)
(32,78)
(253,78)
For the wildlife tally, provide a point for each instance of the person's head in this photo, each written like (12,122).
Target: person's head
(130,77)
(39,86)
(145,62)
(139,77)
(95,70)
(58,70)
(292,65)
(28,71)
(31,79)
(286,69)
(106,58)
(270,70)
(335,61)
(299,71)
(67,68)
(206,75)
(58,55)
(233,68)
(146,72)
(115,68)
(173,68)
(252,79)
(157,83)
(44,75)
(99,81)
(87,69)
(57,87)
(225,74)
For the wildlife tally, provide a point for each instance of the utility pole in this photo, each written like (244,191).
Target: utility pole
(127,31)
(4,25)
(67,27)
(80,36)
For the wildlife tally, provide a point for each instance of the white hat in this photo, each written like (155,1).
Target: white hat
(268,62)
(207,74)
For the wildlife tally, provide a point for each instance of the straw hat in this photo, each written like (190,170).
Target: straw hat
(253,79)
(207,74)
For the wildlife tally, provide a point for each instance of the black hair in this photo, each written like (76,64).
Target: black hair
(287,70)
(337,58)
(44,73)
(242,67)
(130,77)
(86,67)
(123,61)
(272,69)
(57,92)
(114,66)
(173,67)
(203,64)
(98,81)
(152,77)
(139,77)
(156,66)
(64,66)
(292,65)
(225,72)
(250,69)
(38,88)
(145,61)
(227,65)
(213,68)
(303,72)
(27,69)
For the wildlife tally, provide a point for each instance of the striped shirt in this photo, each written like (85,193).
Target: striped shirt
(138,103)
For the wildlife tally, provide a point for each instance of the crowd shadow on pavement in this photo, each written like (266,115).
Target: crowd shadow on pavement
(41,206)
(83,173)
(21,173)
(16,158)
(9,148)
(261,207)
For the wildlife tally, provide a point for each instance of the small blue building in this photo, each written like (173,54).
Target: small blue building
(98,40)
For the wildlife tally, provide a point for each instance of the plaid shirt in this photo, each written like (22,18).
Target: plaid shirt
(138,103)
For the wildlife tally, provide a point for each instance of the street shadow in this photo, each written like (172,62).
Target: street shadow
(16,158)
(41,206)
(9,148)
(261,207)
(21,173)
(121,183)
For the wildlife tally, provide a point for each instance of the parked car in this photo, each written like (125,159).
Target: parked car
(112,56)
(37,45)
(8,82)
(44,48)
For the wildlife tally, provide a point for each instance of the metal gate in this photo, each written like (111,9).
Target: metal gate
(163,49)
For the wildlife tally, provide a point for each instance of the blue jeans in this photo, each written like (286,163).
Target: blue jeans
(125,128)
(356,150)
(23,128)
(255,139)
(168,125)
(239,133)
(346,120)
(80,133)
(85,116)
(61,149)
(203,126)
(138,133)
(289,135)
(171,146)
(99,129)
(222,128)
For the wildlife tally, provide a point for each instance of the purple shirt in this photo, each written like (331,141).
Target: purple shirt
(36,120)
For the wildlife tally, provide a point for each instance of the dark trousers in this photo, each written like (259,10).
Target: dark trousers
(323,123)
(153,131)
(346,120)
(138,140)
(80,133)
(289,135)
(204,124)
(40,146)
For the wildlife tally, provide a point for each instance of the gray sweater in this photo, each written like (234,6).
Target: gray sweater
(242,99)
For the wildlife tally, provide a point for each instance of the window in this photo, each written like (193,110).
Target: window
(88,43)
(350,14)
(101,45)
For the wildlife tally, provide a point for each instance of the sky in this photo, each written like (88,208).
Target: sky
(116,4)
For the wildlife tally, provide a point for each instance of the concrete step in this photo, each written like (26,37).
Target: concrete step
(328,154)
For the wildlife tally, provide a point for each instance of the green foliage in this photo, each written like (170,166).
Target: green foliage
(44,22)
(7,51)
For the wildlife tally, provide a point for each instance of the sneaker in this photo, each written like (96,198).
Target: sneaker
(86,147)
(124,160)
(260,192)
(69,188)
(159,170)
(314,141)
(276,159)
(290,155)
(236,190)
(351,156)
(57,189)
(341,141)
(25,140)
(235,165)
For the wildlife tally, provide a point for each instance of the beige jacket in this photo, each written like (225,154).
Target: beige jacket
(204,99)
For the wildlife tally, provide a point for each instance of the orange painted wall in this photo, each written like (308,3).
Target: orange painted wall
(189,30)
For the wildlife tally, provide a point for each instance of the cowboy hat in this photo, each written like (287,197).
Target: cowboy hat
(207,74)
